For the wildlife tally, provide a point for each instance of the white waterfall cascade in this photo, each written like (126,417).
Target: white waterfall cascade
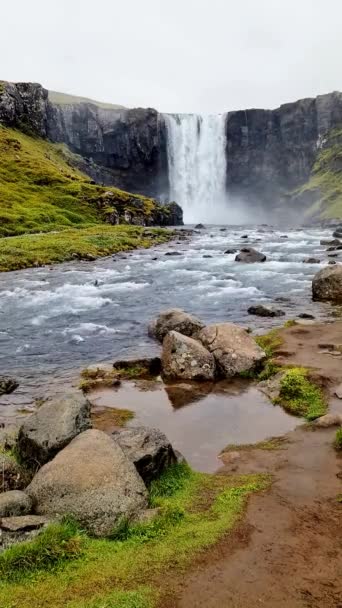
(197,166)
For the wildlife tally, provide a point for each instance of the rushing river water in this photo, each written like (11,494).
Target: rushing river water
(54,321)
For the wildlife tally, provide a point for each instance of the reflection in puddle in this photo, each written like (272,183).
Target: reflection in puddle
(200,421)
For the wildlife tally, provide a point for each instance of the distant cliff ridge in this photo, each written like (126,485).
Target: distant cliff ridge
(271,154)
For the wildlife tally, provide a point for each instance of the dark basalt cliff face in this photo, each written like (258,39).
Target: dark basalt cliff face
(271,152)
(124,147)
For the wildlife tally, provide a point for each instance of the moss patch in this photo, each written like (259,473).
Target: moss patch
(269,342)
(84,244)
(299,396)
(196,510)
(338,439)
(110,417)
(273,443)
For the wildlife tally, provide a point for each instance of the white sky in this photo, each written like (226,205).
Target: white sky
(176,55)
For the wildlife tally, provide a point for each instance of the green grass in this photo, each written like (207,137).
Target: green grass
(56,544)
(338,439)
(42,190)
(326,179)
(89,243)
(299,396)
(269,342)
(196,511)
(273,443)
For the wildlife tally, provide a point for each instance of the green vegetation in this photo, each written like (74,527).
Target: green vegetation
(65,99)
(290,323)
(269,342)
(326,179)
(195,511)
(110,417)
(338,439)
(96,377)
(56,544)
(299,396)
(273,443)
(90,243)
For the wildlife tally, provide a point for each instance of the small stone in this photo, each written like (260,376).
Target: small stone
(14,503)
(338,391)
(263,311)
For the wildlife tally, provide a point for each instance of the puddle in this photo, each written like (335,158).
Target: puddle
(200,421)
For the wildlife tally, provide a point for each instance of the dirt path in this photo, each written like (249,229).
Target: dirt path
(287,553)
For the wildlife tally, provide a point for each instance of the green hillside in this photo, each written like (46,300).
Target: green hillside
(65,99)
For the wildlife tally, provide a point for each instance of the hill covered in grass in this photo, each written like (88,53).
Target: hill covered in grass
(42,190)
(67,99)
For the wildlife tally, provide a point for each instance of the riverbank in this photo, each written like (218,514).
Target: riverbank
(37,250)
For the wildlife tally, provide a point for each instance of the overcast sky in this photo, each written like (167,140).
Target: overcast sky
(176,55)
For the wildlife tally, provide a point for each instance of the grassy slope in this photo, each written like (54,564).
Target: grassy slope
(326,179)
(41,192)
(129,570)
(66,99)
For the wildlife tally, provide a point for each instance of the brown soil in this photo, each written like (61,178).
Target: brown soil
(287,552)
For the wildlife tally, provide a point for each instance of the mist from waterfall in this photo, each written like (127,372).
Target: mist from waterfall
(197,166)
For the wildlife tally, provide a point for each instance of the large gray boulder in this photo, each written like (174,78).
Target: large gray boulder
(233,348)
(187,359)
(14,503)
(174,319)
(91,480)
(149,449)
(248,255)
(47,431)
(327,284)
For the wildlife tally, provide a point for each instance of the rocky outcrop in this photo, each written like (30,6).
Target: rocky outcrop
(233,348)
(185,358)
(327,284)
(149,450)
(24,106)
(174,319)
(51,428)
(91,480)
(14,503)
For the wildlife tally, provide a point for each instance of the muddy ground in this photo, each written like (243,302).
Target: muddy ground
(287,551)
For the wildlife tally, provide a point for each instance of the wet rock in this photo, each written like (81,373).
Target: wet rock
(7,385)
(149,449)
(284,236)
(174,320)
(14,503)
(24,522)
(199,227)
(264,311)
(338,391)
(332,242)
(207,256)
(52,427)
(305,315)
(335,248)
(248,255)
(91,480)
(234,350)
(149,366)
(173,253)
(327,284)
(311,261)
(331,262)
(187,359)
(337,234)
(223,229)
(244,236)
(229,251)
(329,420)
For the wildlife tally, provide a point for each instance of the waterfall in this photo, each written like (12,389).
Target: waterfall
(197,166)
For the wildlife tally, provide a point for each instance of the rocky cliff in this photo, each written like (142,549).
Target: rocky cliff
(271,153)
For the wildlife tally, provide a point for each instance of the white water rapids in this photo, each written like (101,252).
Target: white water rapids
(197,166)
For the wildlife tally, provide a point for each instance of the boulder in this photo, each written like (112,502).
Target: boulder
(327,284)
(329,420)
(199,227)
(23,523)
(235,351)
(311,261)
(149,450)
(333,242)
(187,359)
(14,503)
(7,385)
(173,253)
(174,320)
(263,311)
(47,431)
(337,233)
(230,251)
(332,262)
(248,255)
(93,481)
(305,315)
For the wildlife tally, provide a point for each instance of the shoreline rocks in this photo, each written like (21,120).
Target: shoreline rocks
(327,284)
(185,358)
(174,319)
(263,311)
